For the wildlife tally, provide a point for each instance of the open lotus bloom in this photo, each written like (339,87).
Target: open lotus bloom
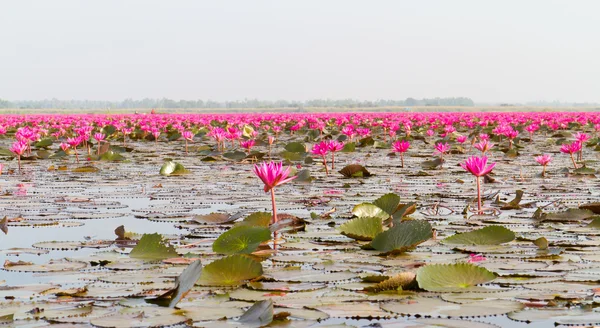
(272,174)
(478,166)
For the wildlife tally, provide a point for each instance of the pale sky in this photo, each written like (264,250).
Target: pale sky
(504,50)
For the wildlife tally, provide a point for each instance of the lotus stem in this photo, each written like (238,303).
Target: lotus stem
(544,171)
(478,195)
(573,160)
(274,219)
(332,161)
(402,160)
(325,164)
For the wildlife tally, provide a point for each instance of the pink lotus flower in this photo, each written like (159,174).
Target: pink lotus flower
(571,149)
(430,133)
(474,258)
(544,160)
(441,149)
(99,137)
(64,146)
(334,146)
(478,167)
(18,148)
(401,146)
(272,175)
(248,144)
(321,149)
(484,146)
(461,139)
(484,136)
(74,142)
(187,135)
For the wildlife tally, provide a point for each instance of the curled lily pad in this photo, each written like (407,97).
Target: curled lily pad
(452,277)
(355,171)
(258,315)
(491,235)
(401,281)
(172,168)
(183,284)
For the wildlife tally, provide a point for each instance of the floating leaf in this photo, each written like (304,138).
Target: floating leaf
(491,235)
(572,214)
(85,169)
(541,243)
(401,281)
(362,228)
(235,155)
(432,164)
(172,168)
(112,156)
(153,247)
(230,271)
(296,147)
(349,147)
(242,239)
(258,315)
(594,207)
(369,210)
(402,237)
(4,225)
(257,219)
(355,171)
(388,203)
(452,277)
(44,143)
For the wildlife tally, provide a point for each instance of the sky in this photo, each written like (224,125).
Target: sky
(490,51)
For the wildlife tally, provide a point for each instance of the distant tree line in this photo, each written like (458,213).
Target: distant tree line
(246,103)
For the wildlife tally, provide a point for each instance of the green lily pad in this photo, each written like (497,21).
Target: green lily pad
(388,203)
(369,210)
(230,271)
(355,171)
(153,247)
(491,235)
(402,237)
(243,239)
(172,168)
(362,228)
(452,277)
(296,147)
